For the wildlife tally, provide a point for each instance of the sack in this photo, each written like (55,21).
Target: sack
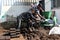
(55,30)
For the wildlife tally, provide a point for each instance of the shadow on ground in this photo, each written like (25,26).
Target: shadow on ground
(8,25)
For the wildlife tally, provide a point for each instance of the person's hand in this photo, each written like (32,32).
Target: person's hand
(30,21)
(42,10)
(44,18)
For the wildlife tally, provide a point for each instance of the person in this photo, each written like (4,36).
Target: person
(34,5)
(39,7)
(35,16)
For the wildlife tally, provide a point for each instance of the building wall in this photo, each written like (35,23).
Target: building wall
(17,10)
(10,18)
(14,7)
(47,5)
(57,10)
(0,6)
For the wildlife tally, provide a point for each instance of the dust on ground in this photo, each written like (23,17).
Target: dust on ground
(32,33)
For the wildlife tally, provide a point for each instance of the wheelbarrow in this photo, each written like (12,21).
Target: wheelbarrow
(48,22)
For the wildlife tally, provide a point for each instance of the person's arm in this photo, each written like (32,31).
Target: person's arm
(41,16)
(40,8)
(33,17)
(30,20)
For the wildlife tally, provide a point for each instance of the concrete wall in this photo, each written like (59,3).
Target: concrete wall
(47,5)
(58,15)
(0,6)
(15,9)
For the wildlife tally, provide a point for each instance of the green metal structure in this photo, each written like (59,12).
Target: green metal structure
(47,15)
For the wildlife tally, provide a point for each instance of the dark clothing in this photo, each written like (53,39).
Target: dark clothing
(40,11)
(26,16)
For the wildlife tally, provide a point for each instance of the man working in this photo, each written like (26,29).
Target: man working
(35,16)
